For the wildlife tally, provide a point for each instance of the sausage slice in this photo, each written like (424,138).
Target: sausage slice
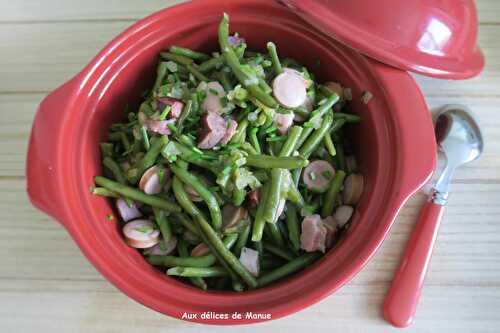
(289,89)
(127,212)
(213,129)
(318,175)
(141,234)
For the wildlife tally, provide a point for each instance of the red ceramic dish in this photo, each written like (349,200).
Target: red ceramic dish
(395,145)
(434,38)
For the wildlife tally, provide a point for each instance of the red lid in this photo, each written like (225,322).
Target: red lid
(431,37)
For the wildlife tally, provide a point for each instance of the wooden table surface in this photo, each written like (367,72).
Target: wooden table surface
(47,285)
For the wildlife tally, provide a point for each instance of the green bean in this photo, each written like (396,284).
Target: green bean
(187,222)
(183,252)
(292,192)
(271,47)
(225,80)
(291,141)
(203,192)
(330,147)
(211,64)
(271,162)
(278,251)
(318,113)
(187,155)
(337,124)
(188,53)
(150,157)
(145,138)
(258,246)
(176,58)
(249,82)
(186,111)
(331,194)
(137,195)
(210,236)
(254,140)
(242,239)
(106,149)
(341,157)
(259,222)
(163,224)
(196,73)
(293,226)
(275,234)
(303,137)
(115,169)
(350,118)
(197,271)
(274,197)
(240,134)
(315,139)
(289,268)
(264,86)
(261,175)
(161,72)
(271,262)
(239,196)
(103,192)
(172,261)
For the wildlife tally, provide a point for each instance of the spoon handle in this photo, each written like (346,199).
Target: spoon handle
(401,301)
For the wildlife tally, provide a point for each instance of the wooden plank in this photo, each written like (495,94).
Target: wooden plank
(71,10)
(462,290)
(61,10)
(41,56)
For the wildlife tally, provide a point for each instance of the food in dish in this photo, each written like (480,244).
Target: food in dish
(235,171)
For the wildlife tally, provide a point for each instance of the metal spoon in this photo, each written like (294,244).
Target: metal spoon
(459,138)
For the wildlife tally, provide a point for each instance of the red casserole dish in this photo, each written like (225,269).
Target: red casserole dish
(394,144)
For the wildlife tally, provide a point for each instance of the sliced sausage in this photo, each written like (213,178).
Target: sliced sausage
(212,131)
(289,89)
(127,212)
(159,126)
(215,92)
(193,195)
(293,71)
(318,175)
(330,224)
(232,215)
(163,248)
(313,234)
(343,214)
(250,259)
(150,181)
(175,104)
(283,121)
(200,250)
(231,127)
(353,188)
(141,234)
(253,198)
(336,88)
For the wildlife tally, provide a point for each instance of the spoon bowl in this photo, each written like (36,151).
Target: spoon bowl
(458,135)
(460,139)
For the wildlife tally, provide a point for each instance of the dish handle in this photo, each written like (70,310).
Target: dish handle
(415,137)
(43,171)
